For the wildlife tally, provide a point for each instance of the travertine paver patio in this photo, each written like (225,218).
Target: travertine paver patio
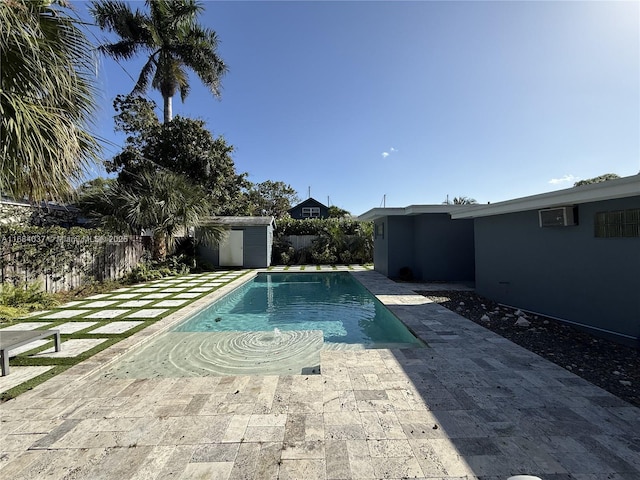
(473,405)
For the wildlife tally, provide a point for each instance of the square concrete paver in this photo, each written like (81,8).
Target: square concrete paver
(116,327)
(72,327)
(170,303)
(71,348)
(27,326)
(147,313)
(29,346)
(113,313)
(65,314)
(100,303)
(125,296)
(135,303)
(188,294)
(155,296)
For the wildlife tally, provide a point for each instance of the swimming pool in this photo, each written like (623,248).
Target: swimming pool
(334,303)
(274,324)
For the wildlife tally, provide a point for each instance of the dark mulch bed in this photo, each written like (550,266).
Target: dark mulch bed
(609,365)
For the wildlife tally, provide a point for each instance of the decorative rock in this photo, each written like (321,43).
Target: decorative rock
(616,372)
(522,322)
(626,383)
(485,318)
(518,312)
(461,303)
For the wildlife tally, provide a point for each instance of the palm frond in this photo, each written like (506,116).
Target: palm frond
(47,100)
(146,74)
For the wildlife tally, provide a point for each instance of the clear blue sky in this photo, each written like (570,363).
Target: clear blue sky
(417,100)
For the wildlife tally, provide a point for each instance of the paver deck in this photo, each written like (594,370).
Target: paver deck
(473,405)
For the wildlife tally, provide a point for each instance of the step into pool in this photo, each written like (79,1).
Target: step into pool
(276,323)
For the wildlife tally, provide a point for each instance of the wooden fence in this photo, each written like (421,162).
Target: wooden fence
(104,259)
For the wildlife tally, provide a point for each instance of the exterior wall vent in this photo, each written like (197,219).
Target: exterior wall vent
(558,217)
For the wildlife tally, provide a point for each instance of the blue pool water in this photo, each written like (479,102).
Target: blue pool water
(334,303)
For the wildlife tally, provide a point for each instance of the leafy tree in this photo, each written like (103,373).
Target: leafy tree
(172,40)
(337,212)
(460,201)
(271,198)
(183,146)
(601,178)
(47,99)
(163,202)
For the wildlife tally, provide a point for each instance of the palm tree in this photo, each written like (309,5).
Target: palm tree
(171,38)
(47,100)
(162,201)
(460,201)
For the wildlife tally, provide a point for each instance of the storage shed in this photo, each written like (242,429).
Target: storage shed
(247,243)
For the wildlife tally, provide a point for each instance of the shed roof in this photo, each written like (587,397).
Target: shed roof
(608,190)
(240,221)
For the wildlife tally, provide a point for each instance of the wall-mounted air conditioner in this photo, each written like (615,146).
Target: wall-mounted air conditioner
(558,217)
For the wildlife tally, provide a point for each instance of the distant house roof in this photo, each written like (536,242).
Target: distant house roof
(309,201)
(608,190)
(240,221)
(375,213)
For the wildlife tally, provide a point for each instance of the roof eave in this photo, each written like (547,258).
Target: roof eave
(609,190)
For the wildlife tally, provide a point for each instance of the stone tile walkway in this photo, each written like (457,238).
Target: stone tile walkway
(472,406)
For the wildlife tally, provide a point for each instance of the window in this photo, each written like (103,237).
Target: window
(621,223)
(379,230)
(310,212)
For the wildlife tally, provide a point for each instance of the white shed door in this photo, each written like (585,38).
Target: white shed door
(231,249)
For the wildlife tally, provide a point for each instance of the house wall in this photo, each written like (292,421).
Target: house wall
(565,272)
(433,246)
(257,244)
(381,246)
(399,230)
(296,212)
(443,248)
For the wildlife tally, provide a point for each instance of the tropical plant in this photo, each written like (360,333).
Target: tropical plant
(47,99)
(162,202)
(172,40)
(336,240)
(271,198)
(598,179)
(337,212)
(460,201)
(183,146)
(18,300)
